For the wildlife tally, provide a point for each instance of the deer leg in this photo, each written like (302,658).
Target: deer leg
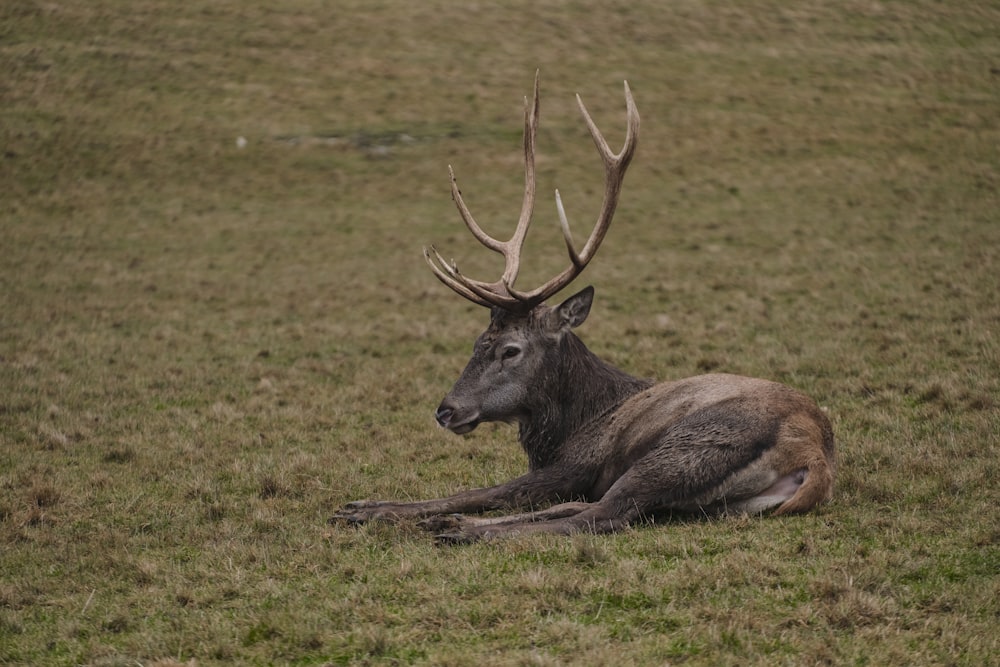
(569,519)
(462,522)
(560,511)
(626,505)
(644,490)
(538,487)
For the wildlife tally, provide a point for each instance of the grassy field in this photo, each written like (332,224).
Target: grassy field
(206,349)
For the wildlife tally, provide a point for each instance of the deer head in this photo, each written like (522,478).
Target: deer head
(515,366)
(520,359)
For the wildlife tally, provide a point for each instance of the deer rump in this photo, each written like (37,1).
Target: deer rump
(604,448)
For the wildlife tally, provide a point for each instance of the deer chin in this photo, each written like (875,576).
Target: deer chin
(463,428)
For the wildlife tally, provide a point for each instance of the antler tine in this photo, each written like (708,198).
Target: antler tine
(470,222)
(450,276)
(567,235)
(516,243)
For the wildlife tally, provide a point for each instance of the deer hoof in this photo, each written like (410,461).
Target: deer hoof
(363,511)
(348,518)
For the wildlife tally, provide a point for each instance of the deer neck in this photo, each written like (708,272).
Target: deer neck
(582,390)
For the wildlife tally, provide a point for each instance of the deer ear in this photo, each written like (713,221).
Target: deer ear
(573,311)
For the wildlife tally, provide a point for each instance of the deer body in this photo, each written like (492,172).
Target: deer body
(622,447)
(604,448)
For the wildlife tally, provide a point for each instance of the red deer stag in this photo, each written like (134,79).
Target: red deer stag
(606,449)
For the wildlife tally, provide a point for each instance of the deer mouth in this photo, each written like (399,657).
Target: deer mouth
(462,429)
(447,418)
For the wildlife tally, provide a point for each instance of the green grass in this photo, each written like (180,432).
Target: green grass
(206,350)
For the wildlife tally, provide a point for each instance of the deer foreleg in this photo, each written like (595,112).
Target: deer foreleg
(565,519)
(450,523)
(536,488)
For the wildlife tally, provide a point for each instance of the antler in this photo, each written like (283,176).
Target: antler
(502,293)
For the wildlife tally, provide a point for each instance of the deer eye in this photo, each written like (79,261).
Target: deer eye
(510,351)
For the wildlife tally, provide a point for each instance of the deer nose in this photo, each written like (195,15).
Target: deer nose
(444,415)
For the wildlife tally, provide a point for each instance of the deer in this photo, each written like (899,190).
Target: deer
(605,449)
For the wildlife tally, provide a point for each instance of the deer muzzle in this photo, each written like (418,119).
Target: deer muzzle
(449,418)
